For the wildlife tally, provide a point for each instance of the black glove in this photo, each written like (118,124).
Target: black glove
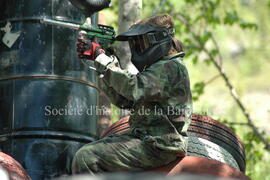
(88,49)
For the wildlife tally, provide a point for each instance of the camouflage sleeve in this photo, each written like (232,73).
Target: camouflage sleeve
(115,98)
(148,85)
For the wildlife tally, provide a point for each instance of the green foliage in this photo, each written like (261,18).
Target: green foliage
(246,25)
(197,90)
(214,52)
(231,18)
(207,61)
(204,38)
(254,151)
(191,1)
(195,59)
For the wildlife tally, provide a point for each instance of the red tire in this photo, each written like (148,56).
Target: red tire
(203,127)
(118,127)
(200,165)
(207,128)
(13,168)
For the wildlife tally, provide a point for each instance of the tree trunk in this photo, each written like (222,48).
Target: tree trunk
(129,13)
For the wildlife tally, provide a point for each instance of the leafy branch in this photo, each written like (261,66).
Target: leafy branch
(201,43)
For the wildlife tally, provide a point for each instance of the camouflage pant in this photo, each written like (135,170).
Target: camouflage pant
(119,153)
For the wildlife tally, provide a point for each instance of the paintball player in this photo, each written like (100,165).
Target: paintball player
(158,97)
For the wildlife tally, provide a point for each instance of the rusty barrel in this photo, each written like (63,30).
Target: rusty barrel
(47,95)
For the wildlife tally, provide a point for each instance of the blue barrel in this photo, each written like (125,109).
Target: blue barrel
(47,96)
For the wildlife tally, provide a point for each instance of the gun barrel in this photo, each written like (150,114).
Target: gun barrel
(60,23)
(103,32)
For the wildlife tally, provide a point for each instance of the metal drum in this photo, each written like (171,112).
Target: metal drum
(47,96)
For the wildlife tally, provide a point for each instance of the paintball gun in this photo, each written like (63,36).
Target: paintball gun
(103,34)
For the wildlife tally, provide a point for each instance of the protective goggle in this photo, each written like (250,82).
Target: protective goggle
(142,43)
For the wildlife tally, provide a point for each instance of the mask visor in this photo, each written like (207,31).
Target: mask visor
(139,43)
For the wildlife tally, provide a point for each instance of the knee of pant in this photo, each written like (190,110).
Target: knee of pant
(83,160)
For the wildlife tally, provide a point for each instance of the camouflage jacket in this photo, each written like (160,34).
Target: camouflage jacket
(159,99)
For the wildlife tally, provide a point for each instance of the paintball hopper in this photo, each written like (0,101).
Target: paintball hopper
(88,7)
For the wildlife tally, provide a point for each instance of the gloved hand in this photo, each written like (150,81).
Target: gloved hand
(88,49)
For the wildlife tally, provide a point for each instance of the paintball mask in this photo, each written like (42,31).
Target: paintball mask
(147,44)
